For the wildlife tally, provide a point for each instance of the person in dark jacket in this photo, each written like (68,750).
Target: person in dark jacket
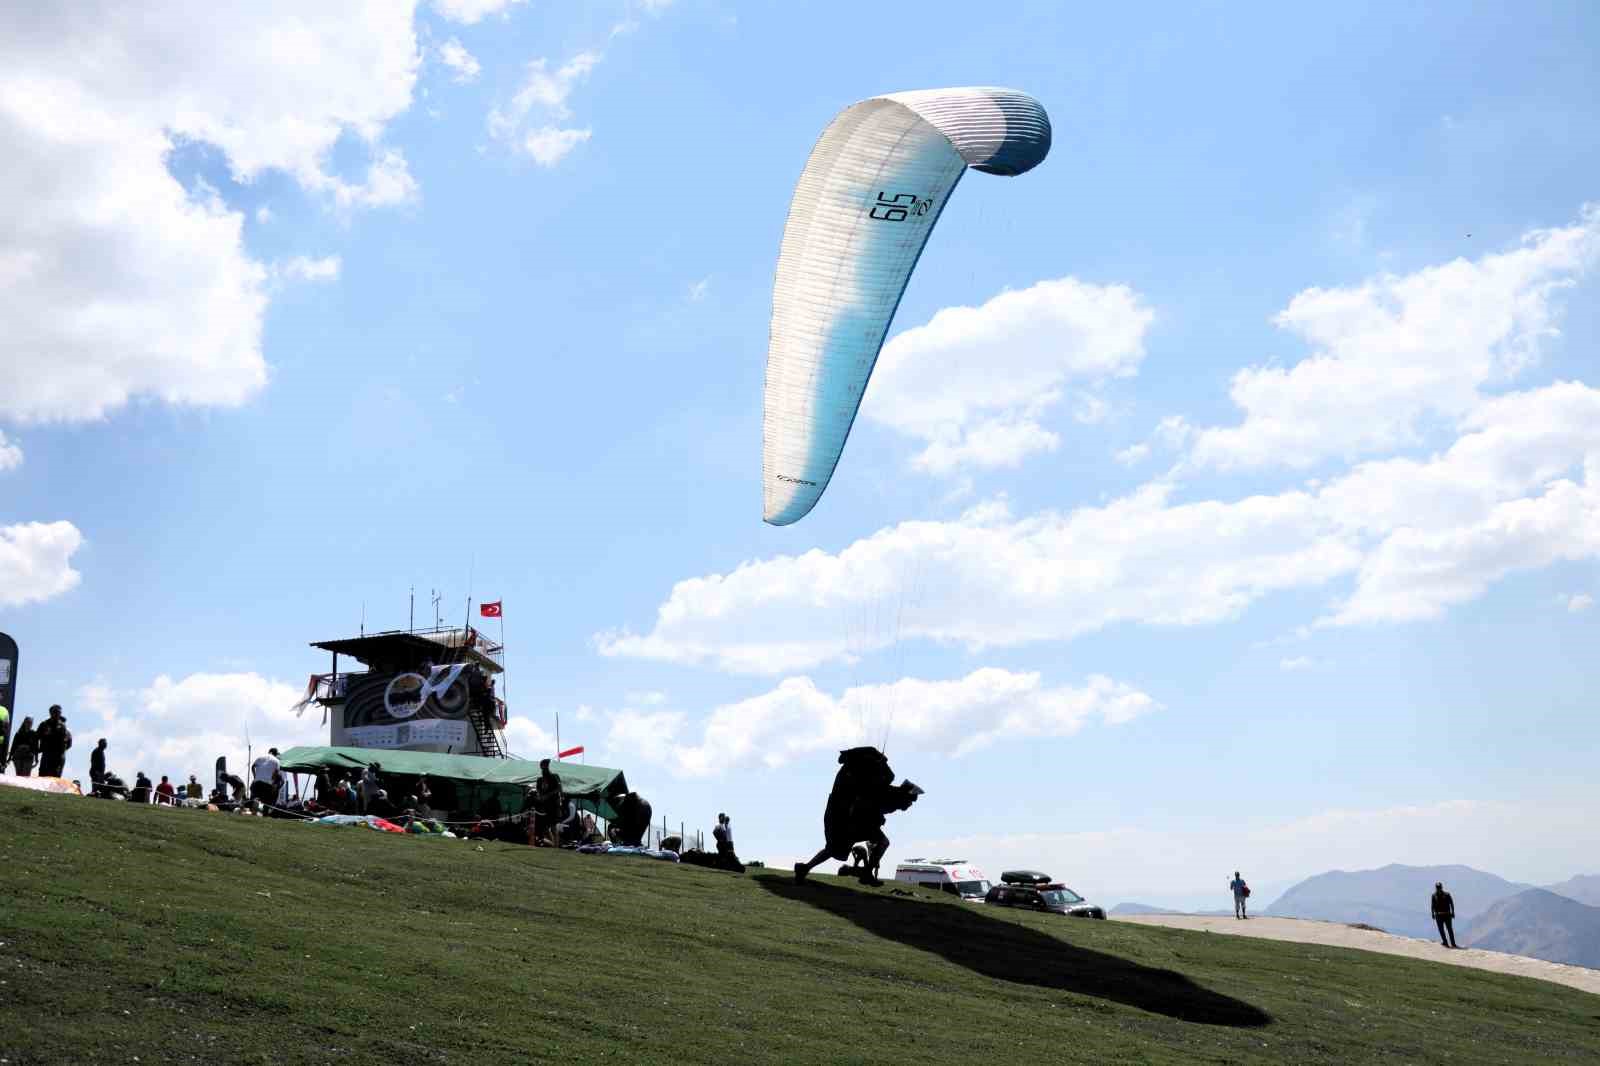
(141,789)
(54,740)
(864,794)
(549,806)
(633,819)
(24,748)
(97,763)
(727,858)
(1444,915)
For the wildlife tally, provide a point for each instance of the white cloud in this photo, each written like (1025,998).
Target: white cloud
(179,727)
(454,55)
(1519,489)
(549,145)
(263,214)
(10,454)
(1579,603)
(988,579)
(974,382)
(115,281)
(1297,662)
(1399,349)
(36,561)
(1133,454)
(698,290)
(304,268)
(946,717)
(528,740)
(544,93)
(468,12)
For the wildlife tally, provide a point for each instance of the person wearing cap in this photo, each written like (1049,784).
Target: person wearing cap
(265,778)
(53,739)
(194,790)
(1444,915)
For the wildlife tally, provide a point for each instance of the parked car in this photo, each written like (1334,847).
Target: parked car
(1036,891)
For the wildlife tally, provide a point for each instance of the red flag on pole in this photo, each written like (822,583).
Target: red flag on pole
(570,751)
(489,610)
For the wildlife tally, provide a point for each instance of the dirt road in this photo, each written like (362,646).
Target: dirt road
(1336,934)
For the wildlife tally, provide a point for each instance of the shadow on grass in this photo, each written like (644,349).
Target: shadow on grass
(1010,951)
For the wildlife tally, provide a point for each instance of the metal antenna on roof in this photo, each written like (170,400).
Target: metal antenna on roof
(363,617)
(411,616)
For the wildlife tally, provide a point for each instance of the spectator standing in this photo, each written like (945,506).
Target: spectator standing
(265,778)
(53,739)
(727,858)
(1241,893)
(97,763)
(370,787)
(165,791)
(1444,915)
(24,748)
(549,803)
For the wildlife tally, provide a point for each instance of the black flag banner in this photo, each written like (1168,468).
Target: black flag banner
(8,695)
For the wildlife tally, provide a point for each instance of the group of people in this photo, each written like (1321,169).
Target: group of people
(1441,905)
(45,746)
(550,818)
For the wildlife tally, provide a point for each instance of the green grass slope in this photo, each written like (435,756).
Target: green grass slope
(180,936)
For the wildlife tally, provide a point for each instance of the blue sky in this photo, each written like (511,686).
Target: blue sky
(307,308)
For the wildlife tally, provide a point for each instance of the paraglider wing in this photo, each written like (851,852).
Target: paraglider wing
(867,201)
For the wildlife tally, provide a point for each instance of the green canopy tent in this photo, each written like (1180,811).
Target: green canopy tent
(590,786)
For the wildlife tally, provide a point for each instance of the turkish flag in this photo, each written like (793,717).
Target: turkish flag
(490,610)
(570,751)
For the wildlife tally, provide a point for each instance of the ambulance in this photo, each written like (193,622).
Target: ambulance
(954,876)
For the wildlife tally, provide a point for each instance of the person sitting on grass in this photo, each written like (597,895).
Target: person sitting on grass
(165,792)
(344,797)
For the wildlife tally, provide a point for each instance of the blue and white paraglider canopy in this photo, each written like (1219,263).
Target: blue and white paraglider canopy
(868,199)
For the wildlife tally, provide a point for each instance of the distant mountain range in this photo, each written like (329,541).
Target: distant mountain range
(1394,898)
(1558,923)
(1540,924)
(1585,888)
(1140,908)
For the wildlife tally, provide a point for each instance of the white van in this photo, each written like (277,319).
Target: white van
(945,875)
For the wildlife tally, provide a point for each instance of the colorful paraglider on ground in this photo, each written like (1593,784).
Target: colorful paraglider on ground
(867,201)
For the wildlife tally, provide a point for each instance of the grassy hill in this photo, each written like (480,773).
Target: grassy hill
(180,936)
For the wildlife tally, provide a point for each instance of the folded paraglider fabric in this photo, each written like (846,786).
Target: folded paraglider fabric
(622,849)
(369,821)
(58,785)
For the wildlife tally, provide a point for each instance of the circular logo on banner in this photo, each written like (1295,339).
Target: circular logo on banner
(405,695)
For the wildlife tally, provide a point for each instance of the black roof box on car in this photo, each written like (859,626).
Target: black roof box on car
(1024,877)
